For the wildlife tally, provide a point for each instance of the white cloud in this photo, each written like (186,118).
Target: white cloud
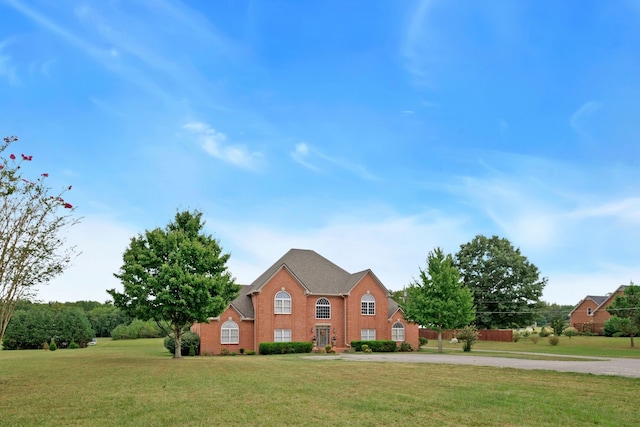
(215,143)
(580,119)
(304,155)
(7,69)
(393,247)
(102,242)
(627,210)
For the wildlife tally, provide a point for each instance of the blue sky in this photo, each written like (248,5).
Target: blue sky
(371,132)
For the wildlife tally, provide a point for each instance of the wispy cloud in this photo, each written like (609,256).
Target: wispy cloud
(216,144)
(626,209)
(419,46)
(7,69)
(580,119)
(305,155)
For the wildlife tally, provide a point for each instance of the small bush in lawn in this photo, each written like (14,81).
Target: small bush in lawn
(534,339)
(516,336)
(192,350)
(251,353)
(241,350)
(423,341)
(468,335)
(233,353)
(569,332)
(53,346)
(365,348)
(224,351)
(187,340)
(405,346)
(544,333)
(73,345)
(554,339)
(45,346)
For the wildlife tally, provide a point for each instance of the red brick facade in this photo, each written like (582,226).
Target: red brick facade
(591,313)
(344,324)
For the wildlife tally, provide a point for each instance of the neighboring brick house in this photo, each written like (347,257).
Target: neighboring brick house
(303,296)
(591,313)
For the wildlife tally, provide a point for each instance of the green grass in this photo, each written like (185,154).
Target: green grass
(594,346)
(136,383)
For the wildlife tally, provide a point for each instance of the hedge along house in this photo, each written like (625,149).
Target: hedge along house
(591,312)
(305,297)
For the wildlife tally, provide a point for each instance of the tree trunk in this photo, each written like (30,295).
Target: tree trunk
(177,354)
(439,340)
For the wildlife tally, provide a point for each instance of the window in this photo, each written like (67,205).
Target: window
(323,309)
(230,333)
(368,303)
(589,311)
(282,303)
(397,332)
(367,334)
(282,335)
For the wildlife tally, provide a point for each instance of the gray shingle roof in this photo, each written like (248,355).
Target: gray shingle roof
(315,273)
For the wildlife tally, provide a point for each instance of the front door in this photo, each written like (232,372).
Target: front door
(322,333)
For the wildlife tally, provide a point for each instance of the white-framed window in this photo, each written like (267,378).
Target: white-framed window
(282,335)
(368,305)
(230,333)
(323,308)
(367,334)
(397,332)
(589,312)
(282,303)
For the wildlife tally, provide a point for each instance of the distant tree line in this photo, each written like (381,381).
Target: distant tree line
(34,324)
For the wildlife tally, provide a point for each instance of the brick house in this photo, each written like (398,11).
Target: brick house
(303,296)
(591,313)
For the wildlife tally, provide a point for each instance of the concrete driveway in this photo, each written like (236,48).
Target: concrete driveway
(601,366)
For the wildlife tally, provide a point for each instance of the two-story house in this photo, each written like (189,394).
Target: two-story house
(304,297)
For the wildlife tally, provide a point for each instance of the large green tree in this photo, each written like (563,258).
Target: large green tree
(33,219)
(175,276)
(625,310)
(439,300)
(506,286)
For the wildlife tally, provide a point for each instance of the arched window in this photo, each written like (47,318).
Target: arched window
(323,309)
(397,332)
(282,303)
(230,333)
(368,304)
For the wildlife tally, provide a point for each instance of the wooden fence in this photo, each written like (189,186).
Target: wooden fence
(504,335)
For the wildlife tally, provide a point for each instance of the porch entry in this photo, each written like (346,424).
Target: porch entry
(323,335)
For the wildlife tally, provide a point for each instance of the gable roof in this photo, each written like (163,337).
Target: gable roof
(242,303)
(314,272)
(599,300)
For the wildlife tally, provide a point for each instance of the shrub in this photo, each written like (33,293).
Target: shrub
(251,353)
(285,347)
(192,350)
(328,348)
(188,339)
(224,351)
(544,333)
(365,348)
(241,350)
(73,345)
(569,332)
(405,346)
(468,335)
(516,336)
(45,346)
(423,341)
(53,346)
(377,346)
(554,339)
(534,339)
